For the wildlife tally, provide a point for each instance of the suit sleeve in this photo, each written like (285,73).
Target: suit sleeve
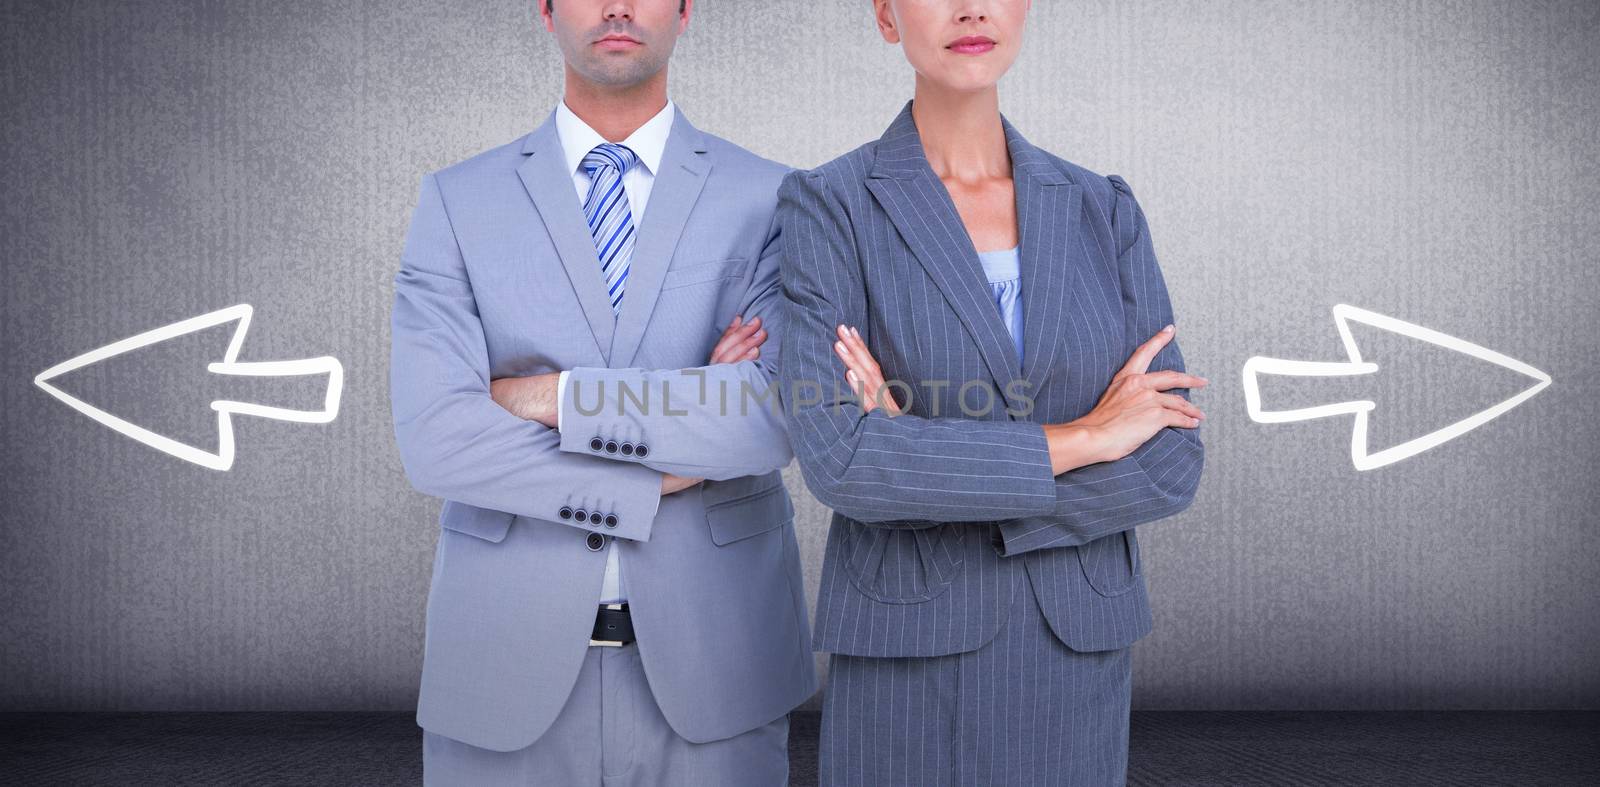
(904,471)
(1159,478)
(455,441)
(716,422)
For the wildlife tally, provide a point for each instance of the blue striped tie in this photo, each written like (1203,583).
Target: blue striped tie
(609,216)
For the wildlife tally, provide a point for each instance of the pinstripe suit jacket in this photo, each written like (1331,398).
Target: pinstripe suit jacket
(941,513)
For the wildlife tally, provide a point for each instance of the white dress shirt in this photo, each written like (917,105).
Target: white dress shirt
(647,142)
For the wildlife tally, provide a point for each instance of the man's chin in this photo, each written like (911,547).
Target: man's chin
(619,70)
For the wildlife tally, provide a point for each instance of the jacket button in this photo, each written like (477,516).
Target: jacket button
(595,542)
(565,512)
(611,520)
(641,450)
(627,449)
(611,446)
(596,444)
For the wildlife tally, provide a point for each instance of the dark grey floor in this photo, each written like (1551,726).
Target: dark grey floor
(1182,748)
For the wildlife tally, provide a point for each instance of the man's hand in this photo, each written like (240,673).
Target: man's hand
(671,483)
(535,398)
(741,341)
(530,398)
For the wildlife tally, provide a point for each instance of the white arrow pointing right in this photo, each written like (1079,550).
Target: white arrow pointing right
(1342,315)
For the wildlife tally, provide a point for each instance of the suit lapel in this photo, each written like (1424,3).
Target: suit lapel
(1047,217)
(921,210)
(545,177)
(684,167)
(920,207)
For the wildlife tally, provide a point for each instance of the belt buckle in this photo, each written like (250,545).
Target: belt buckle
(606,643)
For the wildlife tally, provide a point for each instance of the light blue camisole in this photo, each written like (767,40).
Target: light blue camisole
(1004,273)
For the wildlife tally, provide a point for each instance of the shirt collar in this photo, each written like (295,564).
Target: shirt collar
(648,141)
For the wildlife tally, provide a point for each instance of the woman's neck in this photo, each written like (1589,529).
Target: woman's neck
(961,132)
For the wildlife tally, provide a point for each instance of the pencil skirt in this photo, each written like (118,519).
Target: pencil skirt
(1024,709)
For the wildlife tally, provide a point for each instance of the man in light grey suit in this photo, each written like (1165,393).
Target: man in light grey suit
(616,594)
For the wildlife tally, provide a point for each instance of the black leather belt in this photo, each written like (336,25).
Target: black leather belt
(613,627)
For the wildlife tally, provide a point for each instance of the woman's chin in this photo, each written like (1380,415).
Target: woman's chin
(959,86)
(963,78)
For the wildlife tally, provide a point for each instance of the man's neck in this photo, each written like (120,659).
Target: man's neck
(615,113)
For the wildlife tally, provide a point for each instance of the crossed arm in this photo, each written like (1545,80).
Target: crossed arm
(716,422)
(905,470)
(1146,476)
(456,442)
(542,398)
(1048,486)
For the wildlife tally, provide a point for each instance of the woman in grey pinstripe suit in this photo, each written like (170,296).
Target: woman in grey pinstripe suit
(981,586)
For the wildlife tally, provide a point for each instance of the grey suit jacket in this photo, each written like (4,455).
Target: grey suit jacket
(500,278)
(941,512)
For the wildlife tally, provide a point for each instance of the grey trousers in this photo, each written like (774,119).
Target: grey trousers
(611,733)
(1023,709)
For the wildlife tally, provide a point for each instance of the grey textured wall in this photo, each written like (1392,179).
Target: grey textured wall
(1433,161)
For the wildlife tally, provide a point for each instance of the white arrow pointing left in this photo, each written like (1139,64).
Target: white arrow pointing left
(222,459)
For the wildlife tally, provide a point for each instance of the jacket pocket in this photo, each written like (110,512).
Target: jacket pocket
(750,515)
(702,272)
(902,565)
(485,523)
(1111,562)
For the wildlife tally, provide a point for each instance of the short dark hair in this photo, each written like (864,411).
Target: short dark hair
(550,6)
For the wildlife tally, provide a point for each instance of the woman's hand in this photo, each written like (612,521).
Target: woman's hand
(863,374)
(1133,407)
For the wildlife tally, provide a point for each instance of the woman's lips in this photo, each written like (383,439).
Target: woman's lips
(971,45)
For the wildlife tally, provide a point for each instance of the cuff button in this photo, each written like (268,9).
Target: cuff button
(594,517)
(611,447)
(596,444)
(641,450)
(581,515)
(565,512)
(627,449)
(611,520)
